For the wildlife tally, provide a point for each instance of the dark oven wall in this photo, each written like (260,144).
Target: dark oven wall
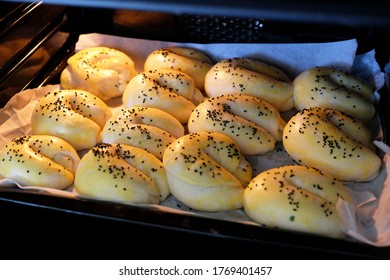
(200,22)
(238,21)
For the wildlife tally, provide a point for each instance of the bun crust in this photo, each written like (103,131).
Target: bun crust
(122,173)
(250,77)
(39,160)
(254,124)
(296,198)
(333,142)
(76,116)
(206,171)
(168,90)
(187,60)
(143,127)
(328,87)
(105,72)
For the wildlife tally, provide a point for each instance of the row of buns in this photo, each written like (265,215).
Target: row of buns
(186,127)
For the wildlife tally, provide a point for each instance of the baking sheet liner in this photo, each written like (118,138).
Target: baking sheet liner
(368,221)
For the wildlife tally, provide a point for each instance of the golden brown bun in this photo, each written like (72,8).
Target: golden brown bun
(74,115)
(333,142)
(328,87)
(254,124)
(105,72)
(251,77)
(39,160)
(296,198)
(190,61)
(122,173)
(168,90)
(143,127)
(206,171)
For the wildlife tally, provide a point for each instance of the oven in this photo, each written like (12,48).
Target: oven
(39,37)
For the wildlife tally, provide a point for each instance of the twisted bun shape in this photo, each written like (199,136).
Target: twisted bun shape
(39,160)
(328,87)
(296,198)
(251,77)
(187,60)
(122,173)
(254,124)
(168,90)
(206,171)
(76,116)
(143,127)
(102,71)
(333,142)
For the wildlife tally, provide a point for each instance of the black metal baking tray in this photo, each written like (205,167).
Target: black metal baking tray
(49,226)
(46,226)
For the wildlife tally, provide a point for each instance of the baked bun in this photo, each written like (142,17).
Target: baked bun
(297,198)
(251,77)
(254,124)
(39,160)
(121,173)
(206,171)
(333,142)
(143,127)
(188,60)
(168,90)
(328,87)
(76,116)
(102,71)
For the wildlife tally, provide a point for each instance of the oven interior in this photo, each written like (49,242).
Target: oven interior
(34,220)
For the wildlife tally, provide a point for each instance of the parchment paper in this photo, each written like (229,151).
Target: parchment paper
(368,222)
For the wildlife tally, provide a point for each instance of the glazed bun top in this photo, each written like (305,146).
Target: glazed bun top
(297,198)
(328,87)
(169,90)
(333,142)
(254,124)
(102,71)
(188,60)
(77,116)
(241,75)
(39,160)
(122,173)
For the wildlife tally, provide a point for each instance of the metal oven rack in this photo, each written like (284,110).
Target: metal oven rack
(45,226)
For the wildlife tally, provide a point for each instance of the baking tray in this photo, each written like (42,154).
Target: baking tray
(50,227)
(215,234)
